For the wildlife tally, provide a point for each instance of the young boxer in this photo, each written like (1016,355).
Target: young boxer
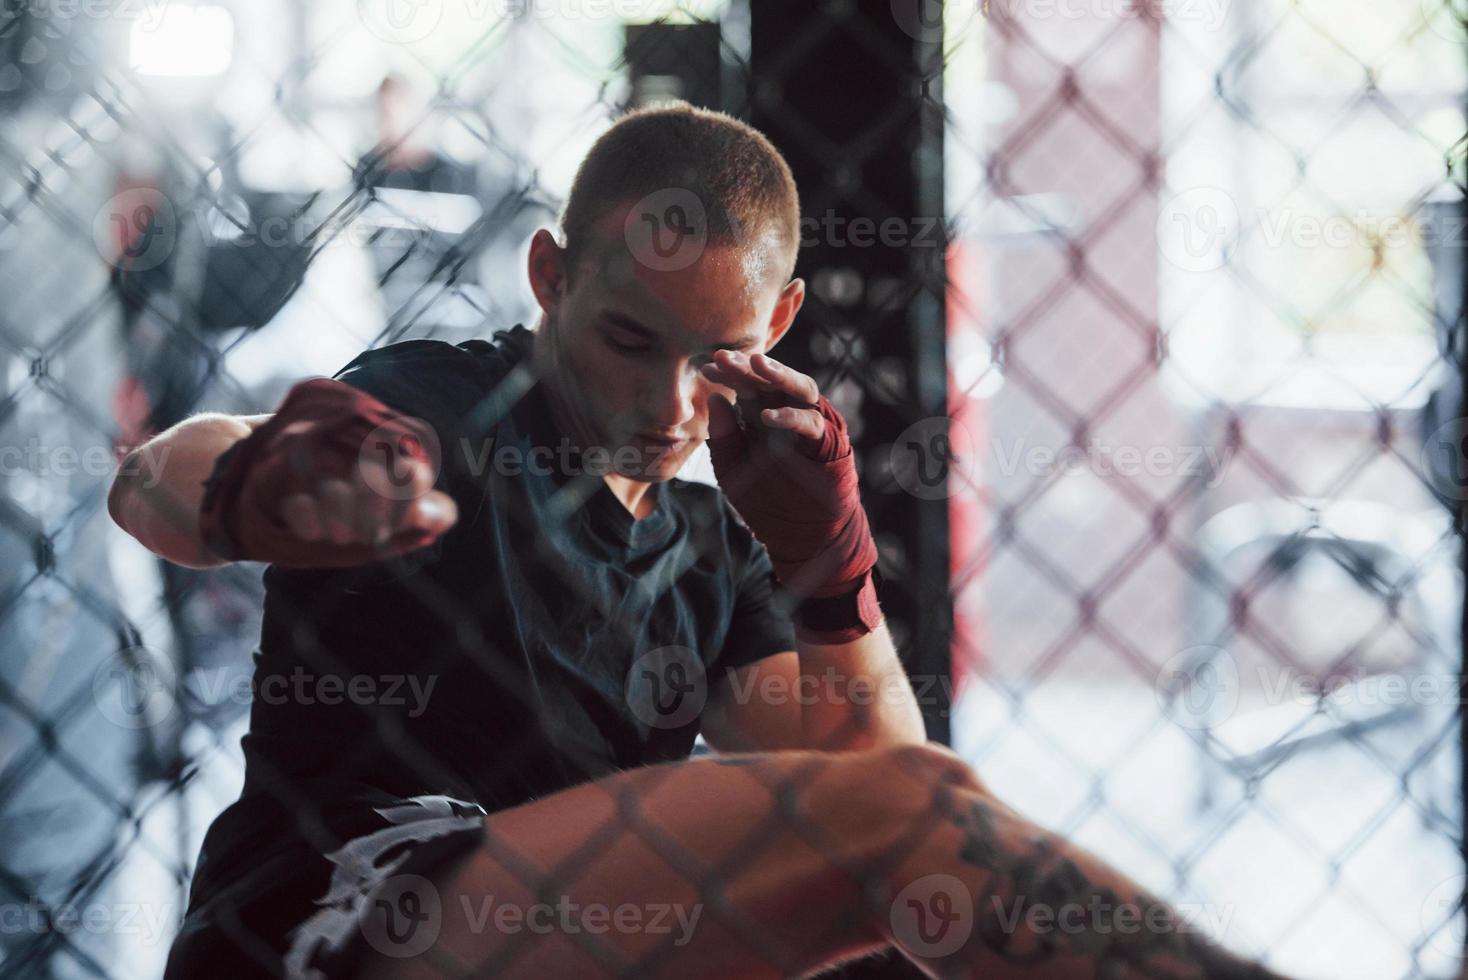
(488,544)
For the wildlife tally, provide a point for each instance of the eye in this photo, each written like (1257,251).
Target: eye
(623,347)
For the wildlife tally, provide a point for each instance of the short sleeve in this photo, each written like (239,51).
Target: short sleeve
(760,626)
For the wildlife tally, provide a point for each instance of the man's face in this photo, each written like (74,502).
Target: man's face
(628,341)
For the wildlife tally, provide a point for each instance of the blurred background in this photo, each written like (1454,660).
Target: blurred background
(1147,316)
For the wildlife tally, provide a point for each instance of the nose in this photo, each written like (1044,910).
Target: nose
(667,399)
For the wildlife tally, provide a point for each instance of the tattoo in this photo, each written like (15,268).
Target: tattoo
(980,837)
(1039,903)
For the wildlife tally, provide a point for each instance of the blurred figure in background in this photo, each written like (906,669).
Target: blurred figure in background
(403,157)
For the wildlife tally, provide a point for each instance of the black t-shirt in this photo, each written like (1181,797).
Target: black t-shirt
(547,639)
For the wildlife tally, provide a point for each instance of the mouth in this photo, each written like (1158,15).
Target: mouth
(660,444)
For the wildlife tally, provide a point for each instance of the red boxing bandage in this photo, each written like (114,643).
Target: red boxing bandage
(801,499)
(321,431)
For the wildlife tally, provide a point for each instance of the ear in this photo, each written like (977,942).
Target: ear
(547,269)
(789,303)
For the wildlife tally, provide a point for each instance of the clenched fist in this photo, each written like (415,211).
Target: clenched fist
(334,479)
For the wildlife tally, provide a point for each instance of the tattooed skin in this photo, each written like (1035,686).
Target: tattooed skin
(1038,903)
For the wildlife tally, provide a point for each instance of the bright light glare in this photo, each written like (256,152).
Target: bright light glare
(183,40)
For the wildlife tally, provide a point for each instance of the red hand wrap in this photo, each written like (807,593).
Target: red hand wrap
(319,432)
(801,499)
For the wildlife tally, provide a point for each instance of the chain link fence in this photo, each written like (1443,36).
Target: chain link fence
(1154,374)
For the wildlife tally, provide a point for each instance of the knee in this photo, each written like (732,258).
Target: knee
(874,804)
(896,783)
(930,764)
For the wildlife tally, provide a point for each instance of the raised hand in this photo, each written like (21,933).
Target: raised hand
(783,458)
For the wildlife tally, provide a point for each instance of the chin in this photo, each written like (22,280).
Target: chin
(661,473)
(661,470)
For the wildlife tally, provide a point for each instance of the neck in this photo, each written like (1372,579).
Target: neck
(632,493)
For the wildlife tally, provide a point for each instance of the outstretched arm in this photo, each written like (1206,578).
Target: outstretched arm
(333,478)
(156,494)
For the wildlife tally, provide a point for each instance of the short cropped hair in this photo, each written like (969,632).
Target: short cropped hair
(743,182)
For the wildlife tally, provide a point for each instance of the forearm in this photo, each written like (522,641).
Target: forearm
(860,696)
(156,494)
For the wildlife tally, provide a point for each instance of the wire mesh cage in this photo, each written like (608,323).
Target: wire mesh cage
(1144,317)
